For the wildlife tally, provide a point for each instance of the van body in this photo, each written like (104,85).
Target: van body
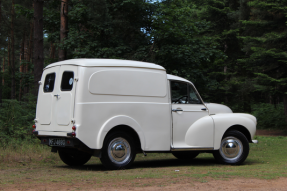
(114,109)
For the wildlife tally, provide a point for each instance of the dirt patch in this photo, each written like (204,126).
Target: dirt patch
(262,132)
(160,184)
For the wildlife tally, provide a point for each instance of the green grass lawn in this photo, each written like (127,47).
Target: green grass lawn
(35,164)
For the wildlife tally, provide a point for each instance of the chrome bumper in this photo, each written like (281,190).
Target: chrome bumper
(254,141)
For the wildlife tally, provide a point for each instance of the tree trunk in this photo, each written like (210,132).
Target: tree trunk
(9,61)
(0,13)
(3,63)
(285,106)
(38,43)
(21,64)
(3,70)
(2,83)
(225,96)
(63,28)
(52,53)
(247,104)
(29,55)
(13,95)
(233,5)
(244,10)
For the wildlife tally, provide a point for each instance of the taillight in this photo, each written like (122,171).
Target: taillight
(34,126)
(73,134)
(74,128)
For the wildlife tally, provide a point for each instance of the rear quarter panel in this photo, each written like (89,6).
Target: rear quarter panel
(94,112)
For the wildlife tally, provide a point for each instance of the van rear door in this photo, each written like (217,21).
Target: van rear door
(46,97)
(55,108)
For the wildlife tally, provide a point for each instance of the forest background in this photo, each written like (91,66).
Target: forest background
(234,51)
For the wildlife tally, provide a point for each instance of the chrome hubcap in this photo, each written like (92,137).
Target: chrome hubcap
(119,150)
(231,148)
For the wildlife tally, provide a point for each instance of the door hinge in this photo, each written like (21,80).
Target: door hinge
(76,79)
(73,121)
(40,83)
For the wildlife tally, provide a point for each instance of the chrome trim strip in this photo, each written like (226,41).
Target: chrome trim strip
(83,103)
(195,110)
(193,149)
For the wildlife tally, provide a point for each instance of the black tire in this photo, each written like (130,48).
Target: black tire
(118,151)
(185,155)
(234,148)
(75,158)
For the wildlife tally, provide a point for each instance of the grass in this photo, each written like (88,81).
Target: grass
(28,164)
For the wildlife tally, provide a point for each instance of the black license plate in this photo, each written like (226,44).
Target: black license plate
(57,142)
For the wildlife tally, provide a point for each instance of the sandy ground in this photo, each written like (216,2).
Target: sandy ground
(186,184)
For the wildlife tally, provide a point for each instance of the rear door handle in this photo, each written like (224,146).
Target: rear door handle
(204,109)
(176,110)
(57,95)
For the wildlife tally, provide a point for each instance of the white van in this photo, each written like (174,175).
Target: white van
(114,109)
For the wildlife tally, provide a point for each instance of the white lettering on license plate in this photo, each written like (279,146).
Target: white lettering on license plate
(57,142)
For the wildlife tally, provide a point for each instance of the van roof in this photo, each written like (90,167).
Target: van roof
(177,78)
(106,63)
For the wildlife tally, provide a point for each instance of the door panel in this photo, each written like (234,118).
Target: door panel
(66,89)
(182,120)
(45,102)
(187,108)
(64,108)
(46,97)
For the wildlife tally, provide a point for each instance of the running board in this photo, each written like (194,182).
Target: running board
(193,149)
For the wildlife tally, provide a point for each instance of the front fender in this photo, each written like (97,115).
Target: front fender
(120,120)
(224,121)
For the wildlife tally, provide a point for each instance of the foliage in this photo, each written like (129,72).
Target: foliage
(233,51)
(178,43)
(16,120)
(268,116)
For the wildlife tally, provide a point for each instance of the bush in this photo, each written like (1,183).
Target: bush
(16,120)
(269,117)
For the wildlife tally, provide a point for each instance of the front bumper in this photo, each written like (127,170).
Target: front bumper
(254,141)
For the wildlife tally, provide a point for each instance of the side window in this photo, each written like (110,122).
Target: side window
(49,82)
(179,93)
(193,96)
(67,81)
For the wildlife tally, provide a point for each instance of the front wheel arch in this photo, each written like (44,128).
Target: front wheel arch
(241,129)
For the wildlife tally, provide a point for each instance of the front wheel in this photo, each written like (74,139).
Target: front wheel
(118,151)
(234,148)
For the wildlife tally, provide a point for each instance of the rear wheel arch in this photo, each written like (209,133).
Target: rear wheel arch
(121,123)
(128,130)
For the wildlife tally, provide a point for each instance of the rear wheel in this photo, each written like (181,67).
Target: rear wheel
(234,148)
(185,155)
(76,158)
(118,151)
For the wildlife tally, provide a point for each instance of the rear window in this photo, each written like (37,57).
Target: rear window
(49,82)
(67,81)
